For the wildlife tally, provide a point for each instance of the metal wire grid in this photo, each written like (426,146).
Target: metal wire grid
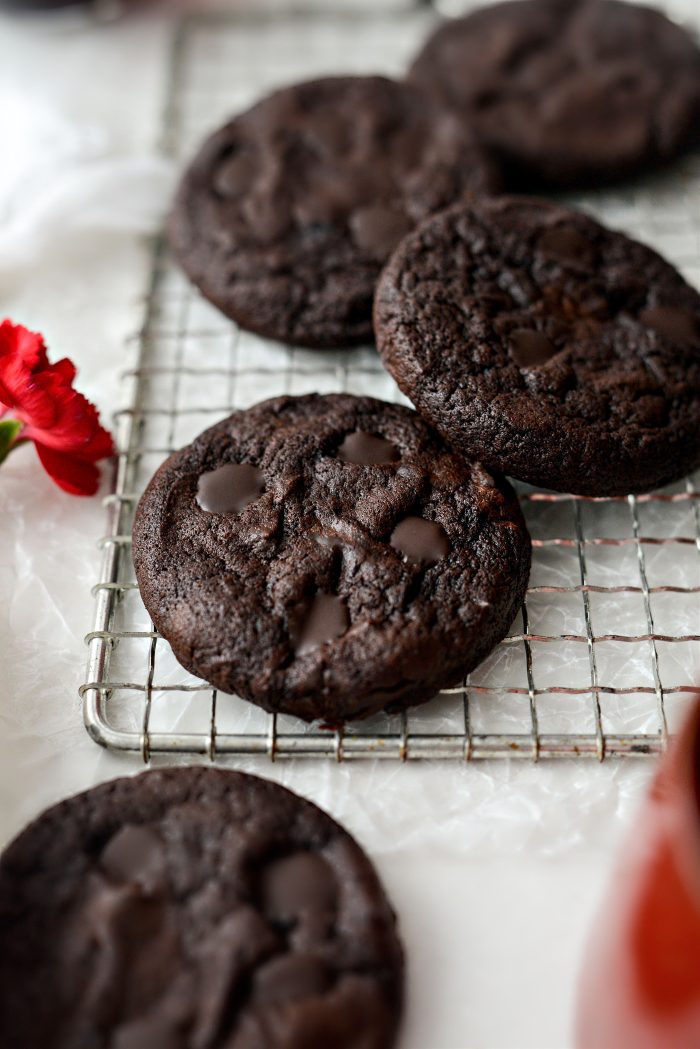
(605,652)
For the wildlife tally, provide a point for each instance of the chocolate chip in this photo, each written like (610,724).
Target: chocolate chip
(326,618)
(156,1032)
(241,941)
(530,348)
(420,541)
(268,213)
(673,323)
(134,856)
(378,229)
(135,949)
(296,883)
(234,175)
(229,488)
(366,449)
(290,976)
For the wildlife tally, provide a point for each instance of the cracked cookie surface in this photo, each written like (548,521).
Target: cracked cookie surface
(568,92)
(368,568)
(286,215)
(546,346)
(194,909)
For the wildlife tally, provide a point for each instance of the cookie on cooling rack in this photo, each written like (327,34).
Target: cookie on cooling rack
(328,557)
(546,346)
(287,213)
(194,908)
(568,92)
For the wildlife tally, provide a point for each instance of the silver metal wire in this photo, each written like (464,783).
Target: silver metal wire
(614,580)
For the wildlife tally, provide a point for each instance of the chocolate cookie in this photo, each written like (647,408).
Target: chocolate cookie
(546,346)
(287,213)
(568,92)
(194,909)
(328,557)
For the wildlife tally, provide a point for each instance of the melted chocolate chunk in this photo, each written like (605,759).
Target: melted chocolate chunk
(242,941)
(530,348)
(366,449)
(229,488)
(133,947)
(235,174)
(297,883)
(289,977)
(156,1032)
(326,618)
(135,855)
(420,541)
(379,229)
(676,324)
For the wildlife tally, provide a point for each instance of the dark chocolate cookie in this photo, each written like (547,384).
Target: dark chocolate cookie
(287,214)
(568,92)
(546,346)
(328,557)
(194,909)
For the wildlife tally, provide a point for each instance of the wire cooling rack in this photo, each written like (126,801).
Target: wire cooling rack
(605,653)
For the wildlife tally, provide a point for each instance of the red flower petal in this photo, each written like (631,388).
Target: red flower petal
(66,369)
(21,352)
(75,426)
(76,476)
(20,344)
(64,425)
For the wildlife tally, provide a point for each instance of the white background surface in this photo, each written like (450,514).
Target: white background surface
(495,895)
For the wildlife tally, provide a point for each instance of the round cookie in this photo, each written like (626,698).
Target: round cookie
(546,346)
(328,557)
(194,909)
(568,92)
(286,215)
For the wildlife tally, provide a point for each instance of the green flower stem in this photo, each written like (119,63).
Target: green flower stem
(9,432)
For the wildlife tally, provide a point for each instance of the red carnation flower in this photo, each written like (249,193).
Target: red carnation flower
(38,403)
